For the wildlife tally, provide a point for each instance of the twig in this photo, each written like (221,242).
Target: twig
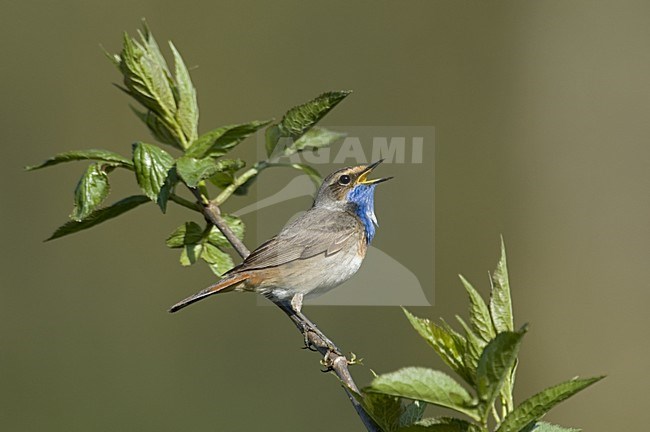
(185,203)
(332,359)
(212,212)
(213,215)
(239,181)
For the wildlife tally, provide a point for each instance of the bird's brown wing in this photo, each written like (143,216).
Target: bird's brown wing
(316,231)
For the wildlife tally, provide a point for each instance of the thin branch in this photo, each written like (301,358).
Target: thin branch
(333,360)
(239,181)
(212,212)
(213,215)
(185,203)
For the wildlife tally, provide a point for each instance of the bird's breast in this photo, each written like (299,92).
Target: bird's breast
(332,271)
(315,275)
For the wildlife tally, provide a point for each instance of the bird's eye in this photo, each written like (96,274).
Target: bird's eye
(344,179)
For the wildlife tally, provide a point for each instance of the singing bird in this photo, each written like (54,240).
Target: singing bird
(315,253)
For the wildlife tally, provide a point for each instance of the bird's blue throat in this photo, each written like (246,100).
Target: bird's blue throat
(364,198)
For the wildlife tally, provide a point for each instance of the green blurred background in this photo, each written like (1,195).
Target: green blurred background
(541,115)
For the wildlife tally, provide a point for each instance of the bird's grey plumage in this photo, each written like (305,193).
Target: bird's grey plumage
(317,231)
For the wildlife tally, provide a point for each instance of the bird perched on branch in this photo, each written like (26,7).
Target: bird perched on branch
(315,253)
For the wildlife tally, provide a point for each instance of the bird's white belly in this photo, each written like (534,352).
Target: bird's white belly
(319,274)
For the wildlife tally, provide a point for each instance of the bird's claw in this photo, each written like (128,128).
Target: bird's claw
(307,342)
(354,360)
(325,361)
(306,329)
(328,343)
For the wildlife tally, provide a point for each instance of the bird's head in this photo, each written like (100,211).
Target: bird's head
(348,184)
(351,189)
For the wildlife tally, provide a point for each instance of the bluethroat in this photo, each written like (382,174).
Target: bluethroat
(315,253)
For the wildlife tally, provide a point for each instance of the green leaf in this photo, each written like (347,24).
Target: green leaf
(222,180)
(219,261)
(473,349)
(91,154)
(186,234)
(146,75)
(314,138)
(412,413)
(301,118)
(235,224)
(153,48)
(536,406)
(385,410)
(197,243)
(171,110)
(495,366)
(426,385)
(171,107)
(167,189)
(152,165)
(220,141)
(441,424)
(272,137)
(187,114)
(449,345)
(159,129)
(479,315)
(190,254)
(234,135)
(226,177)
(500,301)
(547,427)
(193,171)
(90,192)
(99,216)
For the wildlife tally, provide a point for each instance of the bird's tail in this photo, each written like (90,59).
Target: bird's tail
(224,285)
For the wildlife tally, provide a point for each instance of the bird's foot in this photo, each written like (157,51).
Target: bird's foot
(307,327)
(354,360)
(325,340)
(308,345)
(329,367)
(319,341)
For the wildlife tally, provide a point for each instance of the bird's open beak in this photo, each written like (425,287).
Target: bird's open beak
(362,179)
